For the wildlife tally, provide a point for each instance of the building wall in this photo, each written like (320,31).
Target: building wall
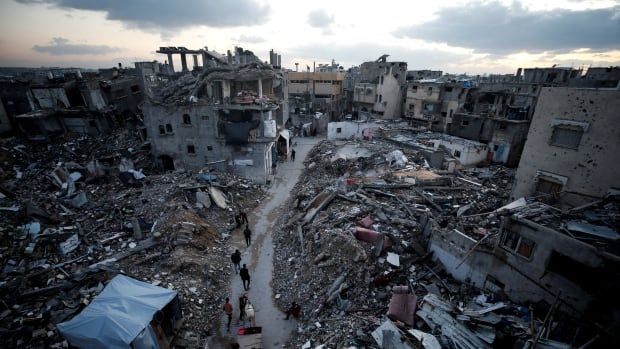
(466,152)
(390,94)
(51,98)
(5,123)
(597,153)
(524,279)
(250,160)
(348,129)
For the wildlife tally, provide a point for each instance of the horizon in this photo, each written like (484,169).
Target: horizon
(468,37)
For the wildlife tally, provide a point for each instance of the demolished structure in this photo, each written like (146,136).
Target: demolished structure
(227,117)
(387,250)
(80,210)
(67,100)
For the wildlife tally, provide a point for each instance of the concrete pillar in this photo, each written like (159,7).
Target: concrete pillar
(260,88)
(170,62)
(279,63)
(184,62)
(204,59)
(195,60)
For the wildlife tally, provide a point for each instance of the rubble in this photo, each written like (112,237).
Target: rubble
(73,221)
(355,251)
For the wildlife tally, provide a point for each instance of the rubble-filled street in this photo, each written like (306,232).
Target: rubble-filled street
(80,210)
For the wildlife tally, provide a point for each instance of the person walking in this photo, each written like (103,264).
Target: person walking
(248,235)
(243,217)
(238,220)
(243,302)
(293,155)
(228,309)
(245,277)
(236,259)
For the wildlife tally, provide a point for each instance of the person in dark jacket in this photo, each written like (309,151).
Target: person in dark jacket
(248,235)
(243,217)
(236,259)
(245,277)
(293,155)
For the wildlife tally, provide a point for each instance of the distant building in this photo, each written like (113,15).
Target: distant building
(317,92)
(432,103)
(572,146)
(381,89)
(415,75)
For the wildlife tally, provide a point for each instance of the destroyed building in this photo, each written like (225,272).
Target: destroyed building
(384,248)
(226,117)
(65,100)
(380,90)
(311,92)
(570,150)
(432,103)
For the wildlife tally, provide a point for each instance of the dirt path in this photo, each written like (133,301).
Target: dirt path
(259,258)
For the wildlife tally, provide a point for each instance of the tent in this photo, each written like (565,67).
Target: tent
(117,315)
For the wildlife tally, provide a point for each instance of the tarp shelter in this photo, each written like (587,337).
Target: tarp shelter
(117,315)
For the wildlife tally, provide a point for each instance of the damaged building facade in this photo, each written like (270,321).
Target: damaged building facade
(573,138)
(226,117)
(380,90)
(67,100)
(320,91)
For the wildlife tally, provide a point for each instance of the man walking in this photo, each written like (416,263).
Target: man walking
(228,309)
(293,155)
(243,217)
(245,277)
(243,302)
(248,235)
(236,259)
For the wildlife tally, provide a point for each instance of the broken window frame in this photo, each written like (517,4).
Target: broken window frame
(512,241)
(169,128)
(191,149)
(187,120)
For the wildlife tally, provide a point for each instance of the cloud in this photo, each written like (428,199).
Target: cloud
(320,19)
(62,47)
(167,14)
(497,28)
(252,39)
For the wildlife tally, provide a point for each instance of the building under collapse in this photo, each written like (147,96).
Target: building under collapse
(67,100)
(226,116)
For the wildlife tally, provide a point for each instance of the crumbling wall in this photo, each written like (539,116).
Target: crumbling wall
(347,129)
(523,279)
(597,150)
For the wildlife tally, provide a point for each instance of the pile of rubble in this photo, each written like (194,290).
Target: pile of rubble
(80,210)
(193,86)
(354,250)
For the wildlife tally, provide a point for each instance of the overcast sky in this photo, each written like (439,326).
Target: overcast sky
(472,37)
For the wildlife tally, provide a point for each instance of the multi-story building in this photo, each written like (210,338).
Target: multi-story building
(433,103)
(573,138)
(230,121)
(317,92)
(381,88)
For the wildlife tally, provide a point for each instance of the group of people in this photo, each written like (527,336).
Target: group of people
(246,310)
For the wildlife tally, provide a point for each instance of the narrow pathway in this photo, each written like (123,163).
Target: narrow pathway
(259,258)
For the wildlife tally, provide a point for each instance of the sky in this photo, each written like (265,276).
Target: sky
(462,36)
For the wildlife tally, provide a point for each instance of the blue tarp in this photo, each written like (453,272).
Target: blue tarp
(117,315)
